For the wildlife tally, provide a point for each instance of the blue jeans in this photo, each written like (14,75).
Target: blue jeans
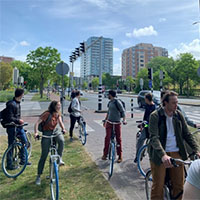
(11,136)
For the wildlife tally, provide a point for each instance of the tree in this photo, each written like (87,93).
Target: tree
(130,82)
(186,71)
(84,85)
(43,61)
(142,74)
(6,72)
(95,83)
(26,71)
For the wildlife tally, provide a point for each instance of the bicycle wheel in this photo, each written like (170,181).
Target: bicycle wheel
(148,184)
(83,134)
(109,151)
(112,160)
(143,160)
(29,145)
(54,181)
(11,162)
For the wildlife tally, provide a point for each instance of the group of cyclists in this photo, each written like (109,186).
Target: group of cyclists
(167,131)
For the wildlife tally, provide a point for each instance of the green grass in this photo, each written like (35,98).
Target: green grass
(36,97)
(79,179)
(6,96)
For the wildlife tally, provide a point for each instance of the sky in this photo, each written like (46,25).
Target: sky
(26,25)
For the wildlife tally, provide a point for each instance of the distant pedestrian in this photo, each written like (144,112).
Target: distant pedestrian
(115,111)
(75,112)
(52,117)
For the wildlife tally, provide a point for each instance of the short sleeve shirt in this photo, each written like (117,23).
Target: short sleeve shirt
(193,176)
(52,123)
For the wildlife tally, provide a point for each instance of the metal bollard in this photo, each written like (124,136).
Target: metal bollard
(132,108)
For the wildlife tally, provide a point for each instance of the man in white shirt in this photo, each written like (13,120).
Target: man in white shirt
(168,131)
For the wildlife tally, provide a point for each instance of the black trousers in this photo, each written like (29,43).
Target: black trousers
(72,123)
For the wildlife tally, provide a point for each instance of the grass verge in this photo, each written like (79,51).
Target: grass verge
(36,97)
(81,99)
(6,96)
(79,179)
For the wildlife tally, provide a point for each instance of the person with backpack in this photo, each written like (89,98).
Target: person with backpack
(168,130)
(149,108)
(49,120)
(12,113)
(115,112)
(75,112)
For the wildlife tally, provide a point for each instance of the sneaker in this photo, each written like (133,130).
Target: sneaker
(104,157)
(71,139)
(135,160)
(119,160)
(38,181)
(61,162)
(11,167)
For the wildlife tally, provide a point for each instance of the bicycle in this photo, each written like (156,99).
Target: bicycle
(167,185)
(142,157)
(14,151)
(54,160)
(82,130)
(112,148)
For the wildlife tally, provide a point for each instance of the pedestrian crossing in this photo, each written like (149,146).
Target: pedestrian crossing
(194,116)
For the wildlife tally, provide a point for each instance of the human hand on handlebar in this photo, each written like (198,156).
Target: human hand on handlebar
(166,161)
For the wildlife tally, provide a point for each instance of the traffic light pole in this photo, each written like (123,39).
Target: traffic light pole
(72,77)
(100,80)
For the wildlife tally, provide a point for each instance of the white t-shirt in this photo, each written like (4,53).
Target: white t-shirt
(171,145)
(193,176)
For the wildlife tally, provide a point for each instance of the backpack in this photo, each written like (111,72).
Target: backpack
(123,105)
(3,117)
(70,108)
(43,123)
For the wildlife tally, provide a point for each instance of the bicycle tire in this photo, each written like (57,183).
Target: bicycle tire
(109,151)
(29,145)
(143,160)
(83,134)
(14,151)
(112,160)
(148,184)
(54,181)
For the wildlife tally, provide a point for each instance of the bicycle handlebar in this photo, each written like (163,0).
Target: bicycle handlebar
(174,160)
(111,122)
(17,125)
(46,136)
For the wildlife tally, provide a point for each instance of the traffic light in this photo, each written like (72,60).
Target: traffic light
(150,73)
(77,51)
(82,47)
(163,74)
(71,59)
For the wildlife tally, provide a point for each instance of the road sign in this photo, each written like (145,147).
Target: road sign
(150,83)
(62,68)
(198,71)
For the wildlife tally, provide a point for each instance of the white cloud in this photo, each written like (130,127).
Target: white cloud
(162,19)
(146,31)
(24,43)
(115,49)
(193,48)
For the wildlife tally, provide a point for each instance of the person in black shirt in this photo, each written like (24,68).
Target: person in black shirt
(149,108)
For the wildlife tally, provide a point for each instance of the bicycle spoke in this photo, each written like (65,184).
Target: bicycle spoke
(143,160)
(54,181)
(14,160)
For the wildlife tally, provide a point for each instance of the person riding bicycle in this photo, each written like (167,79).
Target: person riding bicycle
(168,131)
(113,115)
(149,108)
(52,117)
(13,114)
(192,184)
(189,121)
(75,114)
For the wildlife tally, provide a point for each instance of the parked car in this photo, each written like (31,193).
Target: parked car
(141,95)
(106,93)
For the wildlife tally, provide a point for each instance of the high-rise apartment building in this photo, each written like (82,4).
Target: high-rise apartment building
(99,54)
(137,57)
